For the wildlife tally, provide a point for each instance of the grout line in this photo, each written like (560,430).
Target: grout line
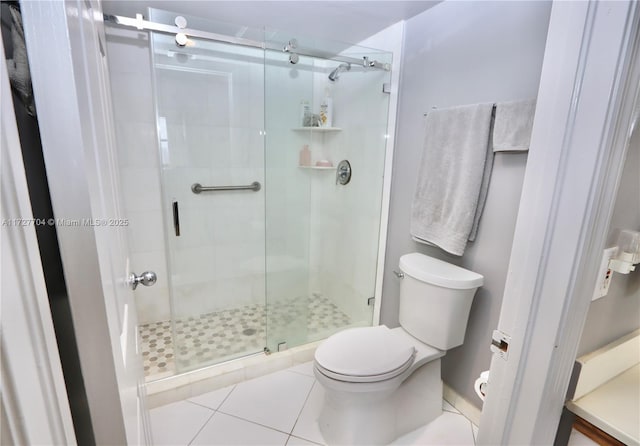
(303,406)
(227,397)
(210,408)
(253,422)
(195,404)
(202,427)
(305,439)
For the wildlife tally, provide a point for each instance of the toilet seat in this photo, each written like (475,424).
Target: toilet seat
(366,354)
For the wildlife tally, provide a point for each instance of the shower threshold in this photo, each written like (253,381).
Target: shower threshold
(207,379)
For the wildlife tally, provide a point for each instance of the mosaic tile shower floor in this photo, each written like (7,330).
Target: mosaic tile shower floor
(222,335)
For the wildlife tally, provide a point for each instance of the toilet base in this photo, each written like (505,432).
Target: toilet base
(378,418)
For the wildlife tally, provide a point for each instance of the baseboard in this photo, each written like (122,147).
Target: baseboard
(467,409)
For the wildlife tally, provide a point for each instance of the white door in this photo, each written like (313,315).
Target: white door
(34,407)
(67,54)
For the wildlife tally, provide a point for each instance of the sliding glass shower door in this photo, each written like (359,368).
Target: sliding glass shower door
(269,245)
(210,116)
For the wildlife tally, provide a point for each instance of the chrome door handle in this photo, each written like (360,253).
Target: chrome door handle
(147,278)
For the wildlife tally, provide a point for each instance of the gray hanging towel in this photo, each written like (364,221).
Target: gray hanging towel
(453,176)
(513,125)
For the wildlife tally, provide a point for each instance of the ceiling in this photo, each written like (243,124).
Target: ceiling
(345,21)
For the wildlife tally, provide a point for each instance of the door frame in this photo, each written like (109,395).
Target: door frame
(63,39)
(586,108)
(572,174)
(34,406)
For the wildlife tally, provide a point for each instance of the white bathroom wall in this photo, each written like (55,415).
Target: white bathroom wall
(454,54)
(618,313)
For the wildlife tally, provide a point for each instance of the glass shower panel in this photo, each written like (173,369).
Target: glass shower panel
(210,117)
(287,200)
(321,236)
(349,216)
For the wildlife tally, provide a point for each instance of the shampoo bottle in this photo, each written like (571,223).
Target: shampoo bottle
(305,113)
(326,109)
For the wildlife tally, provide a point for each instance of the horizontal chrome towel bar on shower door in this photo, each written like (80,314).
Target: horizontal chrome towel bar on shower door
(196,188)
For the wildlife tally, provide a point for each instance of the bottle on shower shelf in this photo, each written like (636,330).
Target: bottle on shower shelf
(305,113)
(326,109)
(305,156)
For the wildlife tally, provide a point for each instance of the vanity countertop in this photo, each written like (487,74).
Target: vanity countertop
(614,406)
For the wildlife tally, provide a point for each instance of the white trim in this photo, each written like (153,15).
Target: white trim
(66,48)
(388,161)
(34,397)
(572,173)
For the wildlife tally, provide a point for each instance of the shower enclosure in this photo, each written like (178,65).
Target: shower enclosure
(264,248)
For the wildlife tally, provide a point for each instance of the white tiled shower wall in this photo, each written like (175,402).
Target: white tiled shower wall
(345,220)
(213,130)
(138,158)
(213,108)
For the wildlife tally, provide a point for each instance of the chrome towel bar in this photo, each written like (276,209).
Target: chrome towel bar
(196,188)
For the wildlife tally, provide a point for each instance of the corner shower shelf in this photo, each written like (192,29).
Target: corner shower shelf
(317,129)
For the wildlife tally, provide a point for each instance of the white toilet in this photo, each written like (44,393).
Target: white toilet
(381,383)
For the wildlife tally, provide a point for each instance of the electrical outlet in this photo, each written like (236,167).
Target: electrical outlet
(604,274)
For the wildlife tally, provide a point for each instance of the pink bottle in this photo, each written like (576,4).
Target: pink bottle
(305,156)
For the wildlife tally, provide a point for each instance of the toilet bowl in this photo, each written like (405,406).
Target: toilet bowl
(381,383)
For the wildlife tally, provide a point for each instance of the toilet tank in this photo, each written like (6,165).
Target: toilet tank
(435,299)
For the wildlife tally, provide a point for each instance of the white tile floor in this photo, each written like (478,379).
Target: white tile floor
(277,409)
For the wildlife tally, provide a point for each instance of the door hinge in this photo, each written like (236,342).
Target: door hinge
(371,301)
(500,344)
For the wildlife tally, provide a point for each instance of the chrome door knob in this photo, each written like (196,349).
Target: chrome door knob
(147,278)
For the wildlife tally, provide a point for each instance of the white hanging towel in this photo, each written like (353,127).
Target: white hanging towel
(450,179)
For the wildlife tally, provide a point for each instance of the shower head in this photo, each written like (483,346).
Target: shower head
(336,73)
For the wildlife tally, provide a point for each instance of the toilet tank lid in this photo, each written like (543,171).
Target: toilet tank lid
(437,272)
